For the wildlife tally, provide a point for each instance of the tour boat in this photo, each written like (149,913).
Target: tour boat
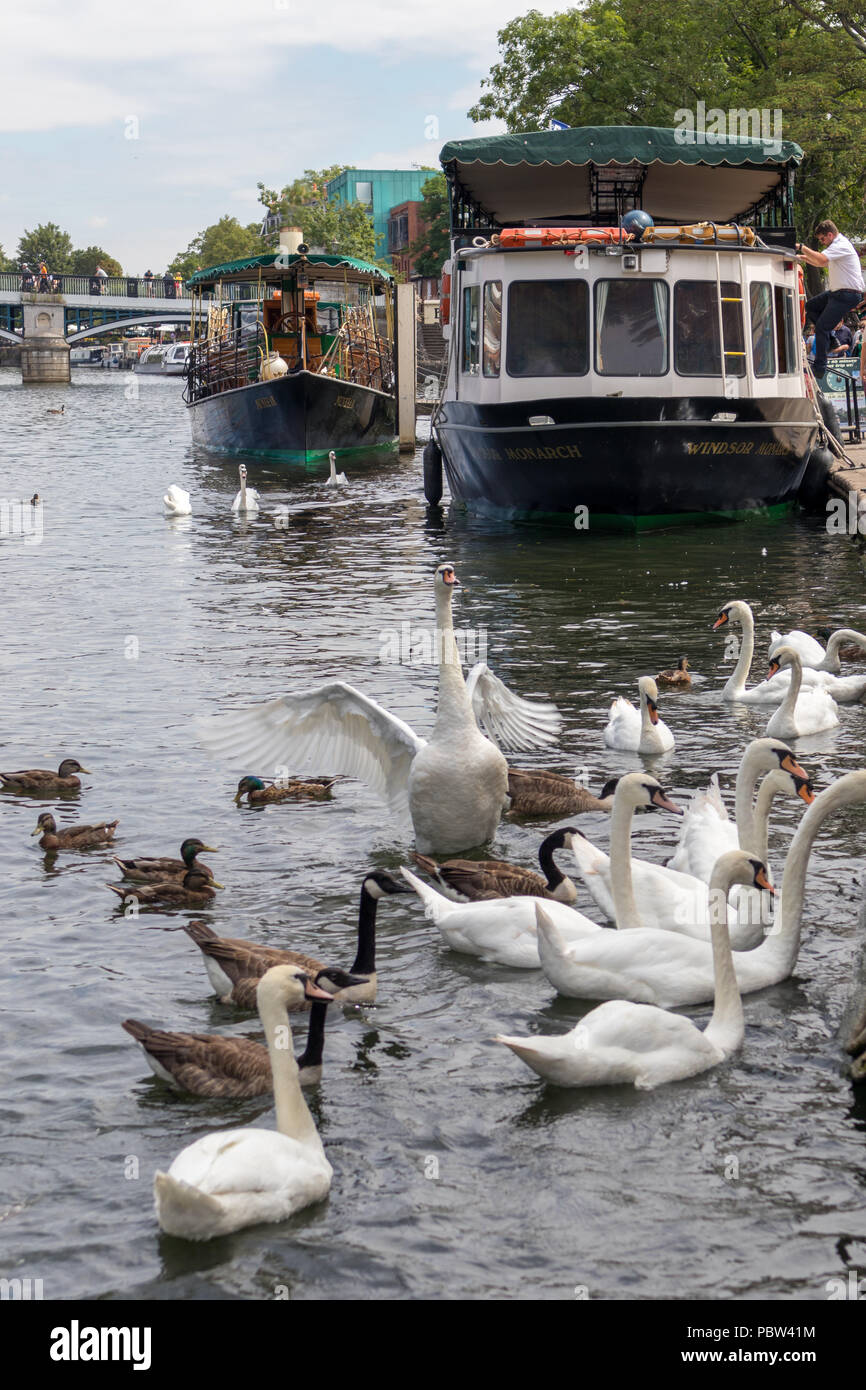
(164,359)
(296,358)
(611,366)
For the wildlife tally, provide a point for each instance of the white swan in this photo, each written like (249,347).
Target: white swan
(801,712)
(706,831)
(504,930)
(177,502)
(334,477)
(832,657)
(242,1177)
(247,500)
(665,968)
(845,690)
(622,1043)
(772,690)
(638,732)
(455,787)
(808,649)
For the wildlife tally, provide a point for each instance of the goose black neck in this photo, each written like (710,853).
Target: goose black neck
(365,960)
(312,1053)
(545,858)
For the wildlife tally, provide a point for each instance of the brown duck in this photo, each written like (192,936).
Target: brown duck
(36,781)
(232,1068)
(677,678)
(469,881)
(72,836)
(159,870)
(286,789)
(194,890)
(550,794)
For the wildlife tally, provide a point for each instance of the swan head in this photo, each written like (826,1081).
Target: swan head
(649,692)
(242,474)
(639,789)
(738,866)
(287,986)
(379,884)
(248,784)
(784,656)
(732,612)
(46,825)
(445,580)
(190,848)
(69,766)
(771,753)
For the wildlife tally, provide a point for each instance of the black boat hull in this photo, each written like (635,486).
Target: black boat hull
(627,461)
(300,417)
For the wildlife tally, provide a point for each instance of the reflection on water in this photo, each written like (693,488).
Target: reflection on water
(538,1190)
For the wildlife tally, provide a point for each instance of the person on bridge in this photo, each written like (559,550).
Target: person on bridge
(845,286)
(148,275)
(45,285)
(168,284)
(101,275)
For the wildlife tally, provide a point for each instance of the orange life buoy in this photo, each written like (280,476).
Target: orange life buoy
(802,287)
(445,295)
(513,237)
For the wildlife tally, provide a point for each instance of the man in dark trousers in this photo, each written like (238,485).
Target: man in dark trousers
(845,286)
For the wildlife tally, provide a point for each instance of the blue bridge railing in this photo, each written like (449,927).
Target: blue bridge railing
(127,286)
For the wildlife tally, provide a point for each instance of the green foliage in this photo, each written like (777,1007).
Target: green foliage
(49,244)
(6,262)
(225,240)
(637,62)
(85,262)
(335,228)
(433,246)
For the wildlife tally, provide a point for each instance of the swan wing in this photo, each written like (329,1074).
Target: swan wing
(810,652)
(335,724)
(510,721)
(623,728)
(250,1160)
(705,833)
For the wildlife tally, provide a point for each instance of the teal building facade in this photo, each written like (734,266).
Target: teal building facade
(379,190)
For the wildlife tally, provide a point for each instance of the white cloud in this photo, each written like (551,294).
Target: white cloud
(97,221)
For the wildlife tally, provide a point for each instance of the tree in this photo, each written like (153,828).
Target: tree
(85,262)
(6,262)
(433,246)
(49,244)
(344,229)
(225,240)
(637,62)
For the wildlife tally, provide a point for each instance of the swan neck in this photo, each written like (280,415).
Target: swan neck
(747,780)
(737,681)
(293,1118)
(758,845)
(453,697)
(726,1028)
(622,887)
(789,703)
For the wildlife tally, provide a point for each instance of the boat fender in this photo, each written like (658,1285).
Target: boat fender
(445,295)
(828,415)
(432,462)
(813,492)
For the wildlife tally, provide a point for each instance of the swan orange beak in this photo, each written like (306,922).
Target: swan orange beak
(805,792)
(774,667)
(653,710)
(761,881)
(312,991)
(659,799)
(789,764)
(720,621)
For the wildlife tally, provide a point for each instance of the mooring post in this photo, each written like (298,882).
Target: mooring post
(406,369)
(44,349)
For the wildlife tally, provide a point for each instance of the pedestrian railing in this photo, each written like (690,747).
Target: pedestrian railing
(126,286)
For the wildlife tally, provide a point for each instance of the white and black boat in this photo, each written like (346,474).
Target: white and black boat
(164,359)
(296,358)
(625,328)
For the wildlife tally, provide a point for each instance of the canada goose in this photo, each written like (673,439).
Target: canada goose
(36,500)
(235,965)
(455,785)
(677,678)
(72,836)
(39,782)
(469,881)
(551,794)
(143,870)
(258,792)
(247,499)
(61,411)
(800,713)
(242,1177)
(196,889)
(635,731)
(334,477)
(621,1042)
(206,1064)
(177,501)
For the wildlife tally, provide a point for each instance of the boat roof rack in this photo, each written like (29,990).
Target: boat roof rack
(592,175)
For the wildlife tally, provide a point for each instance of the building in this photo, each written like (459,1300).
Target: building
(382,192)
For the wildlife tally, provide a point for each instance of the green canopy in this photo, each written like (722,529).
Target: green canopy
(276,263)
(564,173)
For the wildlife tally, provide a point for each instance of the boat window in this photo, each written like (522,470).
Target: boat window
(492,341)
(470,329)
(548,328)
(696,328)
(787,336)
(631,327)
(763,357)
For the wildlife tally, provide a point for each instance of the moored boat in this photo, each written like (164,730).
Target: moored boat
(164,359)
(616,367)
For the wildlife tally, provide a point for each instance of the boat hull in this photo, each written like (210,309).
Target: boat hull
(639,461)
(299,417)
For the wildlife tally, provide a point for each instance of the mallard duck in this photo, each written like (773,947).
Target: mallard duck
(194,890)
(72,836)
(38,782)
(36,500)
(257,792)
(206,1064)
(470,880)
(679,677)
(551,794)
(235,965)
(158,870)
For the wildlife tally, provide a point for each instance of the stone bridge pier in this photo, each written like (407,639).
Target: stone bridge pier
(44,349)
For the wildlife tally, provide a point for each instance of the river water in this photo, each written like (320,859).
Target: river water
(457,1173)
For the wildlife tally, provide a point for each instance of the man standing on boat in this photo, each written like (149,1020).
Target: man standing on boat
(846,287)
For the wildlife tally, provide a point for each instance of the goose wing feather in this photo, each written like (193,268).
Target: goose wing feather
(510,721)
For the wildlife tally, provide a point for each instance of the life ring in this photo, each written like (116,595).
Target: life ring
(802,290)
(445,295)
(515,237)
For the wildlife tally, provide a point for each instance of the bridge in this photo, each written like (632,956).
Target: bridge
(45,319)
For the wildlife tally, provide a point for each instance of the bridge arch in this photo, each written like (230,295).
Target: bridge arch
(7,337)
(140,320)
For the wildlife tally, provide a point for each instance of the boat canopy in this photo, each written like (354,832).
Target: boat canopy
(596,173)
(278,263)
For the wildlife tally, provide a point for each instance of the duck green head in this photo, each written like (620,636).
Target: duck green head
(190,848)
(46,825)
(248,784)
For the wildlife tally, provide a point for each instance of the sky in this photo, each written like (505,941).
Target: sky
(134,126)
